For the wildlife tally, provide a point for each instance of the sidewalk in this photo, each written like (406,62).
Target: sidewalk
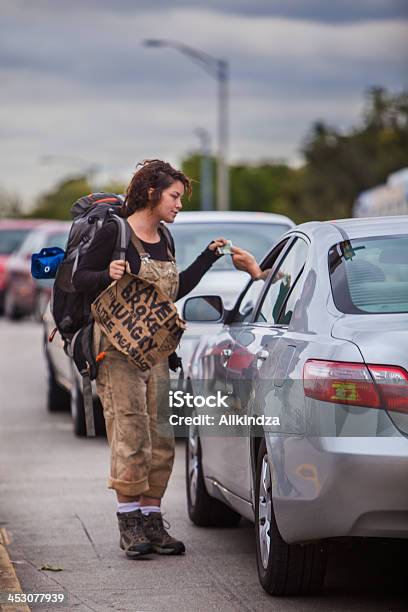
(8,577)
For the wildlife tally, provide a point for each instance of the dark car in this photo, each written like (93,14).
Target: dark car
(24,294)
(12,233)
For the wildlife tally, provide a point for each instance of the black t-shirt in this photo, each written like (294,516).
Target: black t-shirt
(92,274)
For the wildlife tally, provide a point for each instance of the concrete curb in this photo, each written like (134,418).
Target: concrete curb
(8,576)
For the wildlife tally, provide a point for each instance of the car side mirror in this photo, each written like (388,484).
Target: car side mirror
(203,309)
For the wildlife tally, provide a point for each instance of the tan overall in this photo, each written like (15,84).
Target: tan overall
(135,405)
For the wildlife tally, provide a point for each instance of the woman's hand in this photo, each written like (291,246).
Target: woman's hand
(243,260)
(216,243)
(117,268)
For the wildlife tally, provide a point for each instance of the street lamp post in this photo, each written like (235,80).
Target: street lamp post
(206,179)
(217,68)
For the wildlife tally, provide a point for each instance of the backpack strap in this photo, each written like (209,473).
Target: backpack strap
(169,241)
(81,350)
(122,238)
(138,246)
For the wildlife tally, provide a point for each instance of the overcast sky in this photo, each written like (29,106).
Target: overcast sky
(77,83)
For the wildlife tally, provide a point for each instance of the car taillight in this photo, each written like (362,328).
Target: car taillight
(392,381)
(3,278)
(340,383)
(357,384)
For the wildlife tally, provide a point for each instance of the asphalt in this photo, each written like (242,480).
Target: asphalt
(57,512)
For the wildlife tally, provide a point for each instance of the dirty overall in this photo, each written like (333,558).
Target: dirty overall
(135,404)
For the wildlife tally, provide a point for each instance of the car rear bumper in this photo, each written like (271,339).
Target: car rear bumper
(335,487)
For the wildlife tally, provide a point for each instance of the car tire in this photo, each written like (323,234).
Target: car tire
(57,396)
(283,569)
(10,309)
(78,412)
(203,510)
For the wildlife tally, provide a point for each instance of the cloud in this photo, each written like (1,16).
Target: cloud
(321,11)
(77,81)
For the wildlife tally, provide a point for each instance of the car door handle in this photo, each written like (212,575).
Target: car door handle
(225,354)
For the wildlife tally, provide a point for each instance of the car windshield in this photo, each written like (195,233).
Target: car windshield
(11,239)
(370,275)
(38,239)
(192,238)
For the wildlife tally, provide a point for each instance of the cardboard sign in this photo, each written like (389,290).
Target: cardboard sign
(139,320)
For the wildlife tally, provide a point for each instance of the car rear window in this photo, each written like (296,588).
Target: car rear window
(11,239)
(192,238)
(370,275)
(57,239)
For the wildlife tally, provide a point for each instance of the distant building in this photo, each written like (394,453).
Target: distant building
(388,199)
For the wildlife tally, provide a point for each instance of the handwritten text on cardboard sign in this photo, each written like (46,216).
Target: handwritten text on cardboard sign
(139,320)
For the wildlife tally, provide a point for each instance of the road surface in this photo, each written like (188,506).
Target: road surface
(57,511)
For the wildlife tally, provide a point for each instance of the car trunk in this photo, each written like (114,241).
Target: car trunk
(382,340)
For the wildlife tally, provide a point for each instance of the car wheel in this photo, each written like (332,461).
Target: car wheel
(78,412)
(203,510)
(283,569)
(10,309)
(57,396)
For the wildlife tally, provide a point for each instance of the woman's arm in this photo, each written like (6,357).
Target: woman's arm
(92,274)
(191,276)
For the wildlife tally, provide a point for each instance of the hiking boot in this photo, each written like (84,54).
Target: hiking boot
(162,542)
(132,538)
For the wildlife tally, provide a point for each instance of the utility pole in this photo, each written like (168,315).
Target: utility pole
(206,180)
(218,69)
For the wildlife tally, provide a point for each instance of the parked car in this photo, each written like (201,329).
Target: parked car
(319,352)
(192,232)
(24,294)
(12,234)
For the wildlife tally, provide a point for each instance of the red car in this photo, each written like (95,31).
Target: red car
(24,294)
(12,233)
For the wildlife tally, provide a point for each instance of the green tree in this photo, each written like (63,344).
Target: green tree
(258,187)
(191,166)
(56,203)
(339,166)
(252,187)
(10,204)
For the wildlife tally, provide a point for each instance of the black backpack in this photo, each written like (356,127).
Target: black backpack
(71,308)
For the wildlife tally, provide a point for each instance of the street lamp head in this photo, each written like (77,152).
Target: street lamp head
(152,42)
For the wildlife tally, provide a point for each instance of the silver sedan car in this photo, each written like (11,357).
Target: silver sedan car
(306,431)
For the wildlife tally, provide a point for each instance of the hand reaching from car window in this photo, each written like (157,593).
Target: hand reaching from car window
(245,261)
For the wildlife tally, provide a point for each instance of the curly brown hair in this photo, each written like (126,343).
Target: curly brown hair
(156,174)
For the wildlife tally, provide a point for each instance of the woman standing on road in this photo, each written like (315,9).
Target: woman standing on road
(141,456)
